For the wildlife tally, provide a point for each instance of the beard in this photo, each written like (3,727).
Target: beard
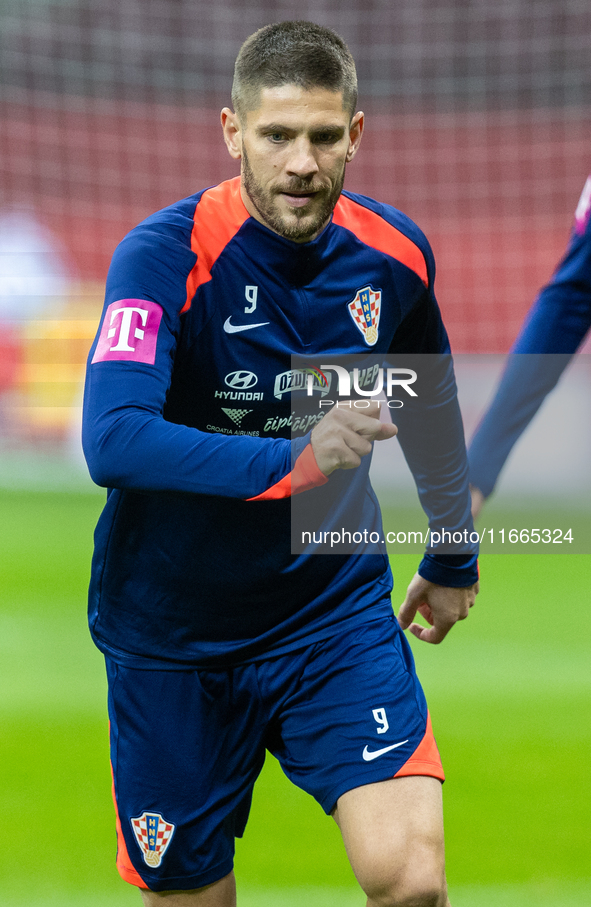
(299,225)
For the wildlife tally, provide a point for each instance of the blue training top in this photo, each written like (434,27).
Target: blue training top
(187,422)
(556,324)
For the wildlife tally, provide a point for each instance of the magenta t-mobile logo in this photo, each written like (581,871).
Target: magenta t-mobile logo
(129,331)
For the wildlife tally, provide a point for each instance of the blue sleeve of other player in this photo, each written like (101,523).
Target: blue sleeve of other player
(553,330)
(526,381)
(561,315)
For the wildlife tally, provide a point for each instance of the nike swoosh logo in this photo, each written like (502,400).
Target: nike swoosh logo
(368,755)
(230,328)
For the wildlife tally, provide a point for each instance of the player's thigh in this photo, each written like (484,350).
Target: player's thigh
(393,835)
(220,894)
(357,716)
(186,748)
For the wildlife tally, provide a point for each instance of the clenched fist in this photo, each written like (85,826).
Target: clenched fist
(345,435)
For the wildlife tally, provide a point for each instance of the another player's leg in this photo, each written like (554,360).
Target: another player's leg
(220,894)
(393,834)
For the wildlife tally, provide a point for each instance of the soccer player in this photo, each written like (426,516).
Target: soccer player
(556,324)
(219,642)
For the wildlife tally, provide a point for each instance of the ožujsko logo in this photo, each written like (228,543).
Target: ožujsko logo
(296,379)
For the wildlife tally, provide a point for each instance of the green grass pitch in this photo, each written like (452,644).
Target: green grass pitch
(509,692)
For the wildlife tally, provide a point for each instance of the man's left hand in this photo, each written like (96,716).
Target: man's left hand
(441,606)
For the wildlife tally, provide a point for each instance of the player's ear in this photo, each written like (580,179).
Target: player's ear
(355,133)
(232,133)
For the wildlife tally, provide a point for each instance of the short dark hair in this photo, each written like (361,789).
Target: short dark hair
(293,53)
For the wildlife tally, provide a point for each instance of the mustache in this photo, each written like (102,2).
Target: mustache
(300,186)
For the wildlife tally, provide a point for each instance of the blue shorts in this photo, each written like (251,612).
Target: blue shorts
(187,746)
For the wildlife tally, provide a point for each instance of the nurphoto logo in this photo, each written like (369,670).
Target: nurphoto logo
(378,379)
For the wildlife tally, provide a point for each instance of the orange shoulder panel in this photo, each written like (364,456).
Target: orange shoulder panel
(374,231)
(218,216)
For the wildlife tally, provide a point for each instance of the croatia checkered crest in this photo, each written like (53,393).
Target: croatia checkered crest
(365,312)
(153,834)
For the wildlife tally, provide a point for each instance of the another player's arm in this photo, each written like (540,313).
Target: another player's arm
(525,383)
(554,328)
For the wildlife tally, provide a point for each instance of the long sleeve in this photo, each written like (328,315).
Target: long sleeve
(128,442)
(555,327)
(430,432)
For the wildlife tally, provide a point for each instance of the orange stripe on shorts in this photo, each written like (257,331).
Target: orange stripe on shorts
(124,865)
(426,759)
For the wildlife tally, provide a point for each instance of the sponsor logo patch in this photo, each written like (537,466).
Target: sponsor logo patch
(297,423)
(241,380)
(236,415)
(153,835)
(297,379)
(368,754)
(230,328)
(129,332)
(365,312)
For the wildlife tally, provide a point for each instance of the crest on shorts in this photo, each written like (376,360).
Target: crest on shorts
(153,834)
(365,312)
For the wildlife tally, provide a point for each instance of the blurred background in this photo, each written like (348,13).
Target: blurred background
(479,128)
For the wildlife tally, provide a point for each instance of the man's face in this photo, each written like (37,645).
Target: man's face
(293,149)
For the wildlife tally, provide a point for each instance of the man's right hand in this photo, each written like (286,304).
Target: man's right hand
(345,435)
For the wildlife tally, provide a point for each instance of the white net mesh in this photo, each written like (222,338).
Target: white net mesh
(478,127)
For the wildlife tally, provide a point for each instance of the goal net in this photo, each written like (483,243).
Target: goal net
(478,127)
